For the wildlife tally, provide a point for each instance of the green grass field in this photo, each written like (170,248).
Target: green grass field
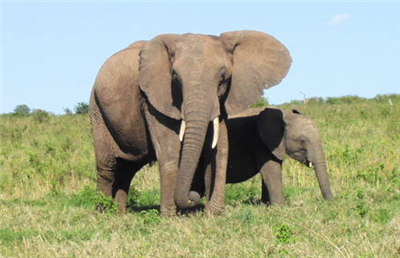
(47,185)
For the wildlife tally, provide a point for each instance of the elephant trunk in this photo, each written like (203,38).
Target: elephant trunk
(322,176)
(197,117)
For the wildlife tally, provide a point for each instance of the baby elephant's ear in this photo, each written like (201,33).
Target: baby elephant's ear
(271,128)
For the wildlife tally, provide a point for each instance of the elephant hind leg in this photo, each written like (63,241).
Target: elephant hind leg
(123,177)
(115,168)
(105,150)
(115,181)
(112,172)
(106,169)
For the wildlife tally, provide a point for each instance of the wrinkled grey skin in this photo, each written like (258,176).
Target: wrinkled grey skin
(258,140)
(144,92)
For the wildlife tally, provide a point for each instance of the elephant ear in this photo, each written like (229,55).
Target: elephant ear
(271,128)
(155,74)
(259,62)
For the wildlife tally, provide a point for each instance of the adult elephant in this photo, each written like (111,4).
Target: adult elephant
(153,93)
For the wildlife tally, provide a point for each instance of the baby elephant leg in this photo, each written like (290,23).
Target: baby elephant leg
(272,190)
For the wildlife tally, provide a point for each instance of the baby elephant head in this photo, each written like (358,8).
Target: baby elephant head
(296,135)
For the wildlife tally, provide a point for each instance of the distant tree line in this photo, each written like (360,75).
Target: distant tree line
(350,99)
(39,115)
(388,98)
(80,108)
(83,108)
(23,110)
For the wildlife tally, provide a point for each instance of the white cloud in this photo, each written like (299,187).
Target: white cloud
(339,19)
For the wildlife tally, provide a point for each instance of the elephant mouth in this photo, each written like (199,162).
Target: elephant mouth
(301,156)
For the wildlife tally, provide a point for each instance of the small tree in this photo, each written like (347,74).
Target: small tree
(68,111)
(40,115)
(262,102)
(82,108)
(22,110)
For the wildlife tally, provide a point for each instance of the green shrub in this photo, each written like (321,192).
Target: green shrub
(318,100)
(82,108)
(344,100)
(68,111)
(262,102)
(387,98)
(22,110)
(150,217)
(90,198)
(133,199)
(284,234)
(105,204)
(40,115)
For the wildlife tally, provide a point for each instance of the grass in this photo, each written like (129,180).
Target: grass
(48,196)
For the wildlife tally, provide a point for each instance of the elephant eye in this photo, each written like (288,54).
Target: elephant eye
(222,88)
(223,73)
(176,82)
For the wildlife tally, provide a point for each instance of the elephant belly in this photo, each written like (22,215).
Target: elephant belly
(242,140)
(240,168)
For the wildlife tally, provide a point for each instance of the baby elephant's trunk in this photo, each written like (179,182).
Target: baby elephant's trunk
(322,175)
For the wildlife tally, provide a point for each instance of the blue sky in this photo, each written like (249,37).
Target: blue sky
(52,51)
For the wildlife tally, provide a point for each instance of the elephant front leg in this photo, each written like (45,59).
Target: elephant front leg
(168,175)
(168,160)
(216,175)
(272,189)
(165,140)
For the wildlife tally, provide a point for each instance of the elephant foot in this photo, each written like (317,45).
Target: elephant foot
(121,209)
(168,211)
(269,203)
(121,197)
(214,211)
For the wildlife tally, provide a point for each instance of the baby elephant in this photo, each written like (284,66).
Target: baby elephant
(258,140)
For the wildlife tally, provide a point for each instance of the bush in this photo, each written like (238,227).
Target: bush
(284,234)
(316,100)
(344,100)
(22,110)
(82,108)
(387,98)
(89,197)
(106,204)
(40,115)
(262,102)
(67,111)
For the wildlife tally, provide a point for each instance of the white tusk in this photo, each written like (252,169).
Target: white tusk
(310,164)
(216,132)
(182,131)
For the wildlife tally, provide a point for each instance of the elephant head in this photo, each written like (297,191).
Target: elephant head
(197,78)
(294,133)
